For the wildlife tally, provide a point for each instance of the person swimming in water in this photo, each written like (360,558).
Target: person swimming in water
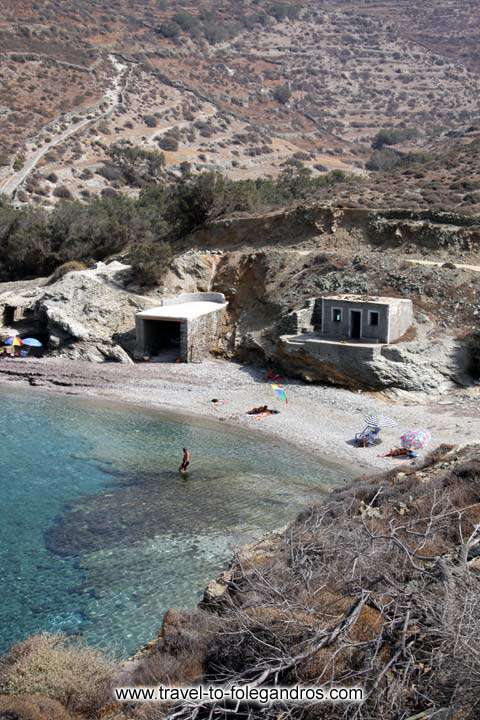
(185,462)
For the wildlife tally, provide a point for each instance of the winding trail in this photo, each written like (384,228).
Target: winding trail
(113,97)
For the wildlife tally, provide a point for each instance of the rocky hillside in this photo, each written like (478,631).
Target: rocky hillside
(270,267)
(243,88)
(375,587)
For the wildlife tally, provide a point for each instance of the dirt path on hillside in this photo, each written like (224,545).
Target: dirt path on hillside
(10,184)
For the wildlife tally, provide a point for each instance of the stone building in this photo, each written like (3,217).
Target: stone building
(365,319)
(13,309)
(185,327)
(356,318)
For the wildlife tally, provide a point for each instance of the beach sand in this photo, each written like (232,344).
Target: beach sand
(321,419)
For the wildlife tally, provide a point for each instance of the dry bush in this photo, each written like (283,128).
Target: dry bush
(70,266)
(378,587)
(59,668)
(32,707)
(178,659)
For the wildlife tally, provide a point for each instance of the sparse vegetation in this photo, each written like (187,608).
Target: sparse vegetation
(71,266)
(60,669)
(150,261)
(282,94)
(393,136)
(375,587)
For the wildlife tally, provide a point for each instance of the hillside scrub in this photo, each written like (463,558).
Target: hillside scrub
(150,261)
(61,669)
(34,243)
(393,136)
(31,707)
(377,587)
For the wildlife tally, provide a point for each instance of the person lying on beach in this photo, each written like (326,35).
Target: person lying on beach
(400,452)
(185,462)
(262,410)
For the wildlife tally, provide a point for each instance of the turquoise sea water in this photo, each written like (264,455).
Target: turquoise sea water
(99,533)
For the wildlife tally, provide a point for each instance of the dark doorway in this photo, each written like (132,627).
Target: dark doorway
(8,315)
(162,337)
(355,324)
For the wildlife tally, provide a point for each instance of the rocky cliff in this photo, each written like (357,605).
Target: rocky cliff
(270,268)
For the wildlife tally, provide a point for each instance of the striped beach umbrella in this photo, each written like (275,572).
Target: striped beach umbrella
(14,341)
(416,439)
(381,421)
(280,391)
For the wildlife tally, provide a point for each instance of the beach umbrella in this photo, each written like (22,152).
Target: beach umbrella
(280,392)
(15,341)
(415,439)
(381,421)
(32,342)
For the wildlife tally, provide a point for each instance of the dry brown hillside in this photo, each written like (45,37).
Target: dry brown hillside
(239,86)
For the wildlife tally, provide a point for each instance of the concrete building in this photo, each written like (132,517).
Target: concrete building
(185,327)
(365,319)
(13,309)
(347,340)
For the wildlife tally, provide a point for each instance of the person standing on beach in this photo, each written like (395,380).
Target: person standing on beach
(185,462)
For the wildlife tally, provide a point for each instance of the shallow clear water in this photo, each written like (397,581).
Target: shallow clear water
(99,533)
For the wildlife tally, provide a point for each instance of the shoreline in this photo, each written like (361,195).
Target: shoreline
(322,420)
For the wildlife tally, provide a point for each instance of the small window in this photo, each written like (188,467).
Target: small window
(374,318)
(336,315)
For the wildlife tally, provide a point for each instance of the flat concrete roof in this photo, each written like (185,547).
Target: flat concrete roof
(181,311)
(373,300)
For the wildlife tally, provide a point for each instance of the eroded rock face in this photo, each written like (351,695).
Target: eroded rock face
(421,366)
(270,267)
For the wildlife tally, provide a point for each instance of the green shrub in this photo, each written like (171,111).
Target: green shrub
(168,143)
(189,23)
(150,121)
(393,136)
(19,162)
(283,10)
(194,200)
(387,159)
(282,94)
(62,192)
(150,261)
(473,349)
(59,668)
(169,30)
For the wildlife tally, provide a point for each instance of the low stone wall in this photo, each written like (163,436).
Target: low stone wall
(194,297)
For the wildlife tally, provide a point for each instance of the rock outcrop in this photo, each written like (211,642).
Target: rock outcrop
(422,365)
(269,267)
